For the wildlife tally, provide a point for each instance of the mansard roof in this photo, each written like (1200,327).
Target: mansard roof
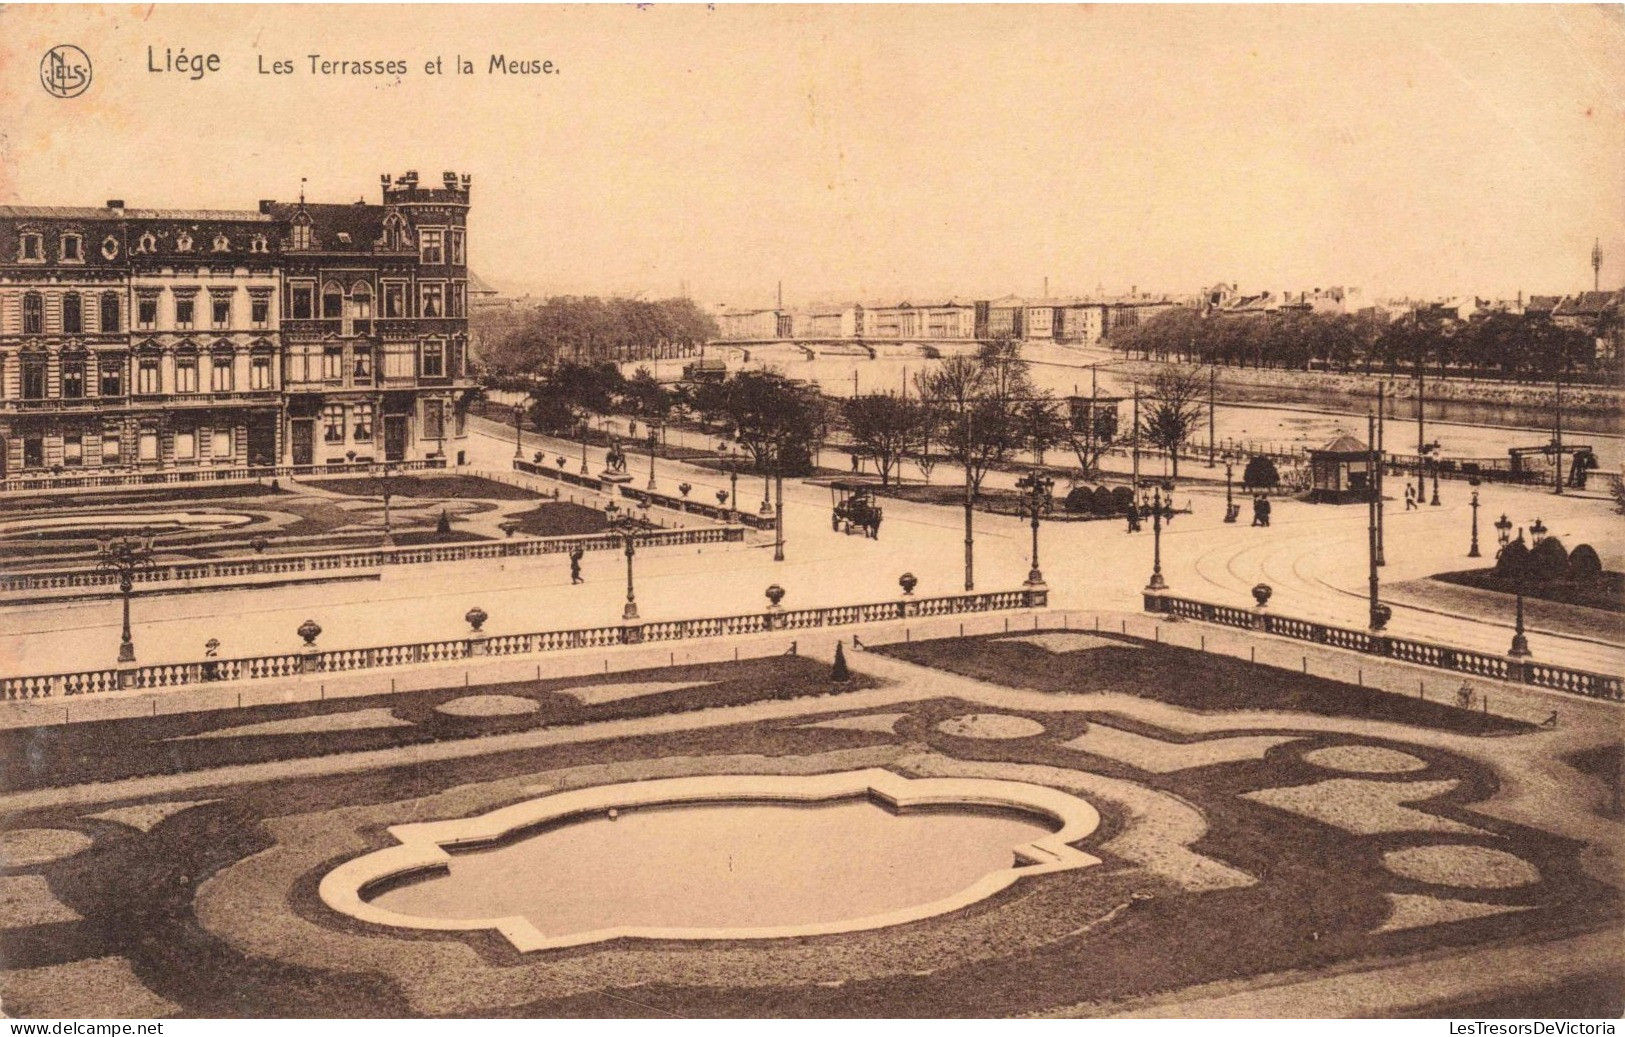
(356,227)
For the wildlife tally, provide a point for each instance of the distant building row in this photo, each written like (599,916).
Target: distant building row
(1073,321)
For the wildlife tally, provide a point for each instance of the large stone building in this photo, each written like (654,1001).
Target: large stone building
(148,340)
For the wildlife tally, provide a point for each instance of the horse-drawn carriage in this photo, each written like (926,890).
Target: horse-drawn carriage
(855,510)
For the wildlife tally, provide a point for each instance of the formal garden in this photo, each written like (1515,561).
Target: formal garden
(277,517)
(1240,824)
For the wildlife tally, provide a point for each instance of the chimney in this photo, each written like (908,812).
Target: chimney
(265,206)
(116,204)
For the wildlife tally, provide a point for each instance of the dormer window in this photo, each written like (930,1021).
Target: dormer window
(301,232)
(222,243)
(258,244)
(73,248)
(344,237)
(183,242)
(395,236)
(148,243)
(31,248)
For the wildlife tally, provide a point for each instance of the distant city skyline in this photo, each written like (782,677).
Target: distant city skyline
(887,152)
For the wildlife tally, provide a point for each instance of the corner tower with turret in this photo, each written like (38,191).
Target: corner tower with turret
(375,323)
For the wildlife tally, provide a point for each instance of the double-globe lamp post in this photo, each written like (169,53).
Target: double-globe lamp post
(1038,487)
(125,556)
(627,527)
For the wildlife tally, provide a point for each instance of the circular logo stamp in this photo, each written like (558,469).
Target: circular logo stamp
(65,71)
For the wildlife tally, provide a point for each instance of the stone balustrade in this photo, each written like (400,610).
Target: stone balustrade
(1423,653)
(477,645)
(365,558)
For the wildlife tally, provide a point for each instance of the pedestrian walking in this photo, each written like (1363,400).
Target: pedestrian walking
(575,565)
(854,460)
(1258,511)
(1133,519)
(1265,502)
(1410,497)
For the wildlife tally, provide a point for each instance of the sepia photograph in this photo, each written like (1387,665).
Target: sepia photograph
(780,511)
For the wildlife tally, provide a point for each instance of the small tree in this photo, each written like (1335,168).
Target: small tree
(1584,564)
(1260,474)
(884,426)
(1548,561)
(1174,412)
(1513,561)
(839,672)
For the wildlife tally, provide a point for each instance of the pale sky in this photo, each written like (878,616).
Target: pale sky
(883,152)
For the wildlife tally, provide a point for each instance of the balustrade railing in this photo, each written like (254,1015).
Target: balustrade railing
(93,478)
(1422,653)
(313,660)
(654,499)
(367,558)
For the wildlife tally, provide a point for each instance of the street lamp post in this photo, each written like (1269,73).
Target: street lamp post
(654,441)
(126,556)
(1503,529)
(1378,612)
(1038,487)
(1229,494)
(1156,583)
(518,429)
(1520,641)
(778,515)
(1472,552)
(627,527)
(389,531)
(1433,456)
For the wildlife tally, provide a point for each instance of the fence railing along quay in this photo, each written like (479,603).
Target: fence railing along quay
(658,500)
(1517,670)
(94,478)
(367,558)
(478,645)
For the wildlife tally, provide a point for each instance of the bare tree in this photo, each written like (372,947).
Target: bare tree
(884,426)
(1175,410)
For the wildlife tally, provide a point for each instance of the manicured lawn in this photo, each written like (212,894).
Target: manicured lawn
(1314,896)
(560,518)
(436,487)
(108,750)
(1606,591)
(1183,677)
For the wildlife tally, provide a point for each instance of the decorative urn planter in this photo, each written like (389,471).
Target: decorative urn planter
(722,496)
(259,544)
(1261,594)
(775,594)
(684,487)
(310,630)
(476,617)
(908,581)
(509,527)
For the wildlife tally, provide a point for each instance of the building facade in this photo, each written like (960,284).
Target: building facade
(140,340)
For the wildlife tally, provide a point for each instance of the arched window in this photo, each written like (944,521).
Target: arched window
(332,301)
(222,243)
(33,314)
(361,301)
(73,315)
(110,321)
(148,243)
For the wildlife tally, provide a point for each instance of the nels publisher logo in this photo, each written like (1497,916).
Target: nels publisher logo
(65,71)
